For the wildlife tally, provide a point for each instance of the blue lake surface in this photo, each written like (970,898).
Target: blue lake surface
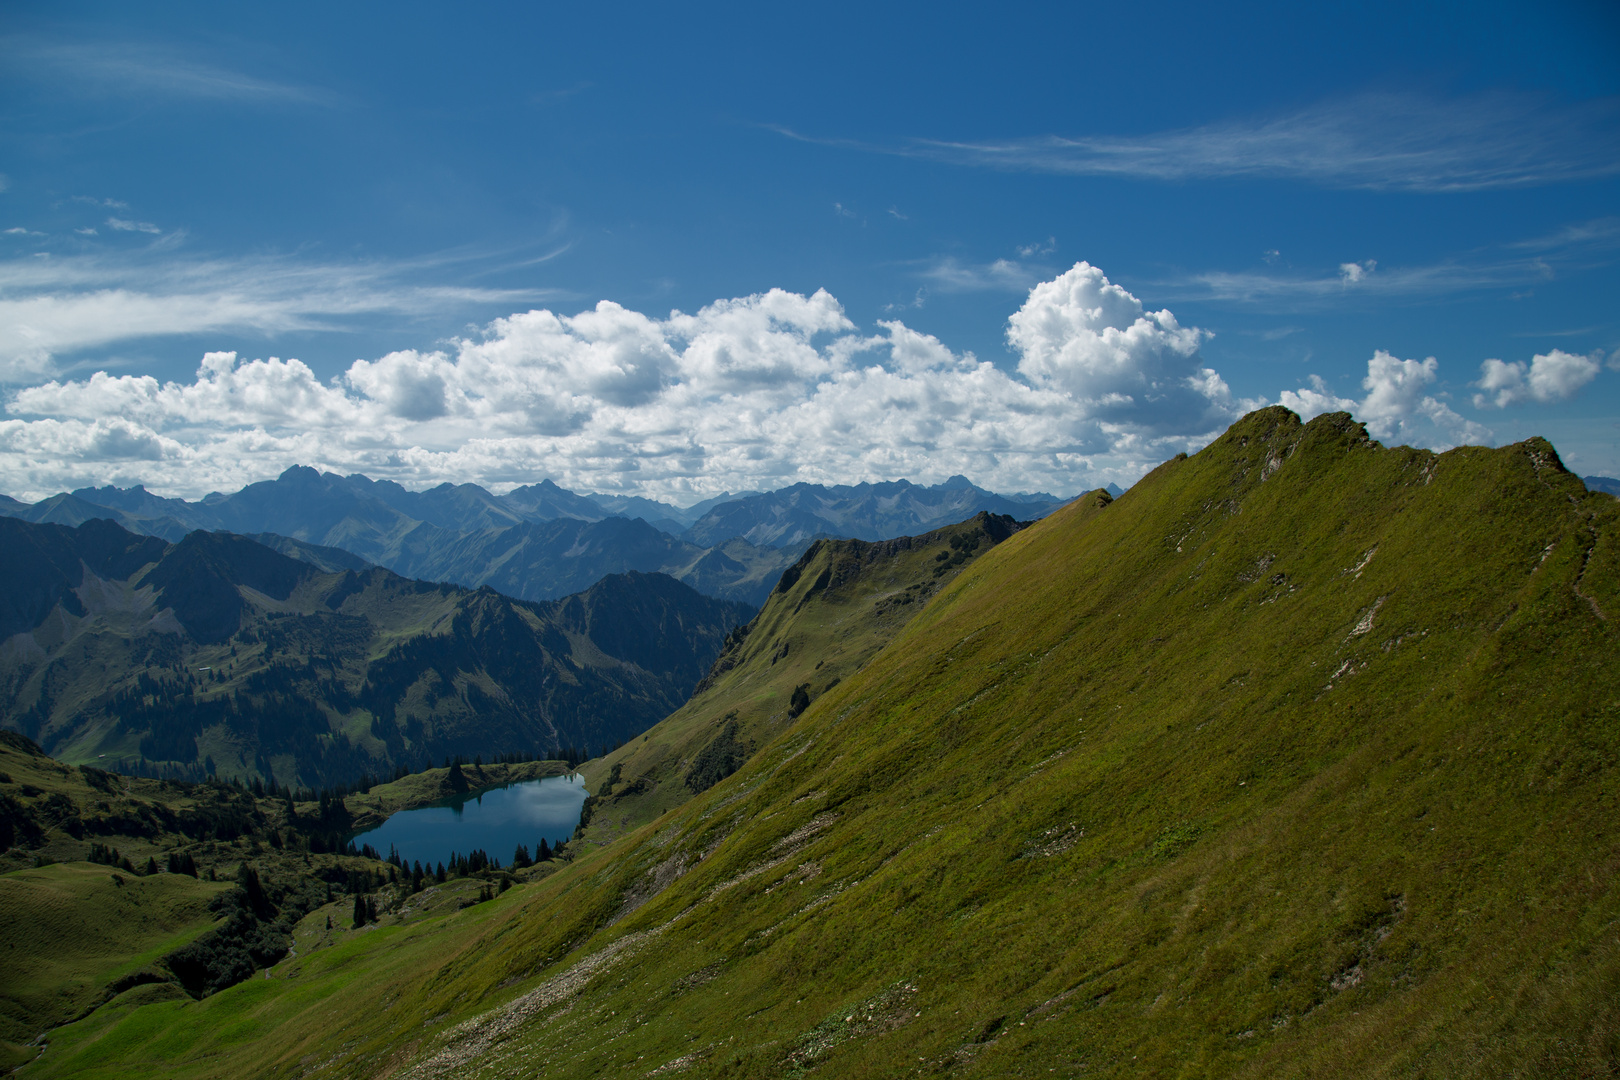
(497,820)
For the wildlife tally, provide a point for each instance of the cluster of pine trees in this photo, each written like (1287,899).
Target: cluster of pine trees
(472,864)
(255,932)
(107,855)
(365,910)
(543,852)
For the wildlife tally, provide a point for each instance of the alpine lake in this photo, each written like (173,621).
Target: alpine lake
(495,821)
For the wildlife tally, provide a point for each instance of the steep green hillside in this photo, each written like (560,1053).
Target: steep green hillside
(828,615)
(1299,759)
(77,935)
(219,654)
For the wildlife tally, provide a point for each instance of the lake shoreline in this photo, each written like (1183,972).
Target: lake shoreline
(371,809)
(490,826)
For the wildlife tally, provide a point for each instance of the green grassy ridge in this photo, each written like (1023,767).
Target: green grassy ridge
(831,613)
(1304,826)
(1114,804)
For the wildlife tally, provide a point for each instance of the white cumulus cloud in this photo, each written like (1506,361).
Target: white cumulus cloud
(1353,273)
(1120,363)
(1549,377)
(1398,406)
(751,392)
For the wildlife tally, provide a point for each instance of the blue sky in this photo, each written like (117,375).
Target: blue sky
(427,208)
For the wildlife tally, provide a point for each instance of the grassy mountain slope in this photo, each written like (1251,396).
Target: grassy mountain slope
(219,649)
(1299,759)
(828,615)
(77,933)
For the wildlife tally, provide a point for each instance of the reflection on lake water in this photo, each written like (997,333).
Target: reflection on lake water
(496,821)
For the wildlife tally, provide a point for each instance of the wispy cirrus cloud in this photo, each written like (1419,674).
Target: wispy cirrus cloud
(952,275)
(1603,232)
(1379,141)
(1304,291)
(149,69)
(1574,247)
(65,304)
(125,225)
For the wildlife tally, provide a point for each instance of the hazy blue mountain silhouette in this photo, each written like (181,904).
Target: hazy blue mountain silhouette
(541,541)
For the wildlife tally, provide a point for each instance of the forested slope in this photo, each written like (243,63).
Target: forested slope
(218,654)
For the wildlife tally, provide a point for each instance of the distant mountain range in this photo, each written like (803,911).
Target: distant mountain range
(219,653)
(793,516)
(1607,484)
(541,541)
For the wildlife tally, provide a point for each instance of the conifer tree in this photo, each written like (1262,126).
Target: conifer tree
(247,879)
(359,910)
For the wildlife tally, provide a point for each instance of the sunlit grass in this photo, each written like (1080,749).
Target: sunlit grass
(1300,759)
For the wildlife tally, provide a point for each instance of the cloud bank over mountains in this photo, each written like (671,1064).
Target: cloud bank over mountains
(749,393)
